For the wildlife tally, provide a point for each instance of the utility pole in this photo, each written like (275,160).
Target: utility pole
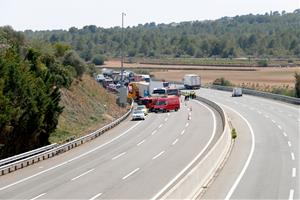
(122,51)
(122,97)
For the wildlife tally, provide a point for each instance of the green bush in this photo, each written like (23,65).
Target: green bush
(98,60)
(222,81)
(233,133)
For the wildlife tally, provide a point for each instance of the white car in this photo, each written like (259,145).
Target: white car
(138,114)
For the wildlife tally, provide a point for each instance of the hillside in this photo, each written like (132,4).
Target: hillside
(87,107)
(266,35)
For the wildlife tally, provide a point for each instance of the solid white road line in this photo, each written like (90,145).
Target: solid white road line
(71,160)
(187,124)
(294,172)
(141,142)
(182,132)
(160,126)
(289,143)
(118,156)
(158,155)
(96,196)
(237,181)
(292,156)
(154,132)
(82,174)
(38,196)
(291,196)
(134,171)
(284,133)
(163,190)
(175,141)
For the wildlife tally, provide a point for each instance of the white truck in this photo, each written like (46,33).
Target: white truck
(144,89)
(237,92)
(192,81)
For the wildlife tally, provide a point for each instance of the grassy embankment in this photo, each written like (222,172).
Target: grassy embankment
(87,107)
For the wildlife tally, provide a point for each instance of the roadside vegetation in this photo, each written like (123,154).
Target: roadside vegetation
(43,85)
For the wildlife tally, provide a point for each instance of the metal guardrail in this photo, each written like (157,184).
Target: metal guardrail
(61,148)
(287,99)
(26,154)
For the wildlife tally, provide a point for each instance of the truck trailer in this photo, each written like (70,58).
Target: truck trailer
(192,81)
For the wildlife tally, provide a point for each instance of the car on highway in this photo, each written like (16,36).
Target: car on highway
(138,114)
(142,108)
(237,92)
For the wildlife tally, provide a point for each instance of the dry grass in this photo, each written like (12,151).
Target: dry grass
(87,107)
(268,76)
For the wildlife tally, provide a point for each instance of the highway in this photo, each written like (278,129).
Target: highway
(264,163)
(135,160)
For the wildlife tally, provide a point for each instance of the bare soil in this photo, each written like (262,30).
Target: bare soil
(263,76)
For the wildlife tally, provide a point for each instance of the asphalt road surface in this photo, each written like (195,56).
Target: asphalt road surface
(264,163)
(135,160)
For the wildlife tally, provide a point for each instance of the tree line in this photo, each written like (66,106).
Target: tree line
(269,35)
(31,75)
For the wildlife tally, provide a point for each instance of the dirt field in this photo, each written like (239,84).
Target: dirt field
(268,76)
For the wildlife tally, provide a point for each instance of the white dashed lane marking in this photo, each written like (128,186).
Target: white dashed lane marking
(175,141)
(131,173)
(294,172)
(118,156)
(293,156)
(38,196)
(141,142)
(158,155)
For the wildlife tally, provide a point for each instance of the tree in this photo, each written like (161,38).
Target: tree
(297,85)
(98,59)
(72,59)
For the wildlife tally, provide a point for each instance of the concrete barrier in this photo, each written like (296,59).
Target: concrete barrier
(60,149)
(202,170)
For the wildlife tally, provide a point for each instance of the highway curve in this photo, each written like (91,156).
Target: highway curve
(137,159)
(264,163)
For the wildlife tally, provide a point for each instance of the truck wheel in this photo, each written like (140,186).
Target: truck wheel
(176,109)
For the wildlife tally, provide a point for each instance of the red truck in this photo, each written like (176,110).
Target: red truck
(165,104)
(149,102)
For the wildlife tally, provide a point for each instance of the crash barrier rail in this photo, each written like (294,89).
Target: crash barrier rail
(191,184)
(26,154)
(287,99)
(267,95)
(60,148)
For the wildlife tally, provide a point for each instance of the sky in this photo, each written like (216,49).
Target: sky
(63,14)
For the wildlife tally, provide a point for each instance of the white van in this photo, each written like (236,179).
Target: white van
(237,92)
